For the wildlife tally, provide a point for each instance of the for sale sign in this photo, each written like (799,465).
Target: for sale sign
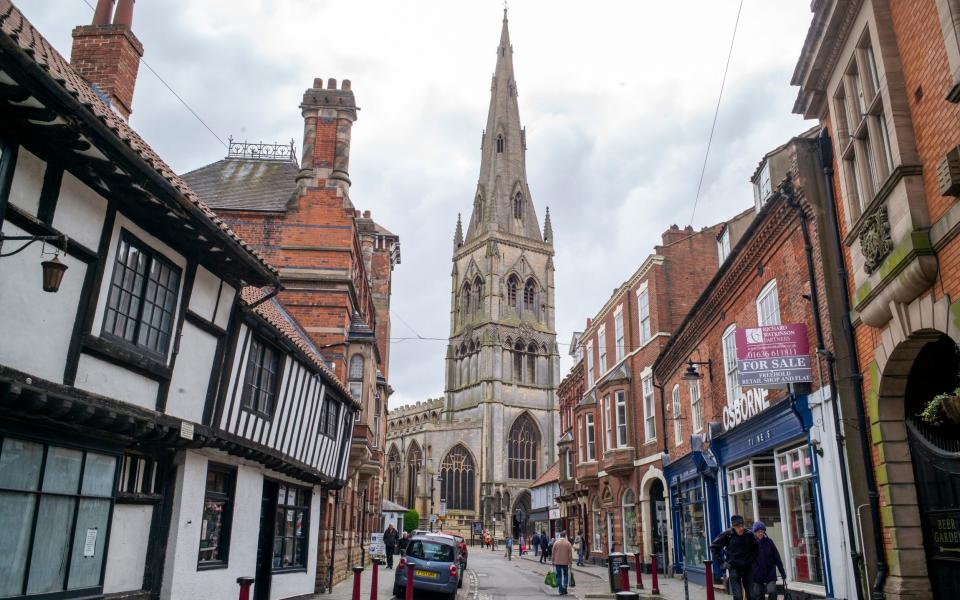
(773,355)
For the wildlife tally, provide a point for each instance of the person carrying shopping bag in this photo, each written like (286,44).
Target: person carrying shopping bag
(562,556)
(765,566)
(740,551)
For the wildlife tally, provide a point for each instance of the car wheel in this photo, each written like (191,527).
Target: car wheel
(452,596)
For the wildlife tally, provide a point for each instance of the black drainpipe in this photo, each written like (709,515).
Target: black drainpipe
(789,193)
(825,157)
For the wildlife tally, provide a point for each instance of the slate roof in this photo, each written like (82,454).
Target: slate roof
(549,476)
(23,34)
(246,183)
(276,315)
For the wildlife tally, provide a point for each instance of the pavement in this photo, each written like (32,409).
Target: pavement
(490,576)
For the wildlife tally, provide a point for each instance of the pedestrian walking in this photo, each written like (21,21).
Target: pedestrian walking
(578,547)
(562,556)
(766,565)
(544,547)
(403,543)
(509,545)
(739,547)
(486,538)
(390,539)
(523,546)
(535,543)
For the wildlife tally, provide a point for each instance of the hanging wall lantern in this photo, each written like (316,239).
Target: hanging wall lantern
(53,271)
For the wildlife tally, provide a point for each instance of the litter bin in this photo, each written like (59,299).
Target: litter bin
(615,560)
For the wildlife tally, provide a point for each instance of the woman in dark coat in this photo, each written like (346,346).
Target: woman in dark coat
(766,566)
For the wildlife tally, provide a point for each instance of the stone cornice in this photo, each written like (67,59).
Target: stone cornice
(507,239)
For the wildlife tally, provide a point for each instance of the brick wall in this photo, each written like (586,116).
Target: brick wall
(108,56)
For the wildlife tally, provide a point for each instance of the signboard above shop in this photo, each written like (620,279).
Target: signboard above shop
(773,355)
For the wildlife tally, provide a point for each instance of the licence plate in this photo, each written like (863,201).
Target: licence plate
(427,574)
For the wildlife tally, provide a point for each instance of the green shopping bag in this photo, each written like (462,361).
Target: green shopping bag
(550,579)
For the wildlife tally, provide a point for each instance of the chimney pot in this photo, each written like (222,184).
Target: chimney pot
(318,83)
(103,13)
(366,214)
(332,83)
(345,84)
(124,14)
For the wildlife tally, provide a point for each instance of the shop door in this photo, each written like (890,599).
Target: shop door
(935,452)
(658,521)
(268,508)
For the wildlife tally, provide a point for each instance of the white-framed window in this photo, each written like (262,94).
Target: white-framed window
(762,187)
(568,459)
(696,407)
(862,129)
(677,424)
(643,309)
(768,305)
(591,439)
(591,376)
(621,414)
(723,245)
(802,532)
(618,331)
(607,423)
(649,410)
(602,347)
(581,440)
(752,494)
(729,342)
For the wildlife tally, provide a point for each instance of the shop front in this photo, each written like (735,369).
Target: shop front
(769,472)
(695,511)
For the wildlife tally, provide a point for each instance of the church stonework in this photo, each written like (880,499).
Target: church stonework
(494,431)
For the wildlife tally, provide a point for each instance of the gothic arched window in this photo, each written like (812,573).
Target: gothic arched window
(512,284)
(529,291)
(478,294)
(531,363)
(499,143)
(414,464)
(457,479)
(465,298)
(518,206)
(393,482)
(518,362)
(523,447)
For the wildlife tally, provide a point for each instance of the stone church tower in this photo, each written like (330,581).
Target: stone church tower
(502,365)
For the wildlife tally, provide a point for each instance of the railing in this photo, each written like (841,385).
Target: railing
(262,151)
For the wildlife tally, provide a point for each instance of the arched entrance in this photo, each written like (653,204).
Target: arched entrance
(658,522)
(521,516)
(935,455)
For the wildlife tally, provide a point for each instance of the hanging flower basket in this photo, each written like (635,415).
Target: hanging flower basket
(942,405)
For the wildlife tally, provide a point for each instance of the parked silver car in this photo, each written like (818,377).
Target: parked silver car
(436,566)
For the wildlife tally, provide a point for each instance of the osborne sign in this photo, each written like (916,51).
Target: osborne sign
(748,403)
(773,355)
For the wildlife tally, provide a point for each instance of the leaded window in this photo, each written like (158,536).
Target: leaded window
(523,446)
(142,298)
(529,291)
(393,475)
(263,367)
(512,285)
(457,479)
(218,502)
(329,416)
(478,294)
(355,377)
(414,463)
(518,206)
(290,539)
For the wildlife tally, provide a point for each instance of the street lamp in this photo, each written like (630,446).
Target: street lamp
(53,269)
(691,374)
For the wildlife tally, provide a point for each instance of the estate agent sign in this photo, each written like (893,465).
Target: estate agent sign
(773,355)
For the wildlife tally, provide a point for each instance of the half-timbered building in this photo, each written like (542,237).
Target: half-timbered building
(165,425)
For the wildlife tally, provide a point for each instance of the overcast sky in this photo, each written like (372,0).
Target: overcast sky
(617,98)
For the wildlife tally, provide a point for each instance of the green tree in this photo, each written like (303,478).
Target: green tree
(411,520)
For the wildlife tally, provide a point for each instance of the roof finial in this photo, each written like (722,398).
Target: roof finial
(547,228)
(458,234)
(505,10)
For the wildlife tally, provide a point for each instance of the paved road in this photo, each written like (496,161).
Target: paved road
(498,579)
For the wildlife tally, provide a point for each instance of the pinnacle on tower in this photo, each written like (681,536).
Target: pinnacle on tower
(458,234)
(547,228)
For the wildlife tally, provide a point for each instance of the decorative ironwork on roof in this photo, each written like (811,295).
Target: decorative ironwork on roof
(262,151)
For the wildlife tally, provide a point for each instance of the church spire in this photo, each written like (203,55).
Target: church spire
(503,202)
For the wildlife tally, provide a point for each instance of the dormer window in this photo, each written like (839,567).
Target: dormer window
(762,188)
(500,143)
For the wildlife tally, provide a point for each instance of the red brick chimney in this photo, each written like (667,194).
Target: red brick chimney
(328,116)
(107,54)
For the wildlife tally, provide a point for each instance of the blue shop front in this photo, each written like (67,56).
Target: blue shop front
(769,472)
(695,509)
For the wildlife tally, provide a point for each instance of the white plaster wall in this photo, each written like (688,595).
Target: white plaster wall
(27,181)
(206,288)
(129,535)
(181,579)
(227,295)
(123,222)
(106,379)
(41,321)
(80,211)
(191,375)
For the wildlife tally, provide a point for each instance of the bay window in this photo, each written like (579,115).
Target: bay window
(591,439)
(607,423)
(649,410)
(621,412)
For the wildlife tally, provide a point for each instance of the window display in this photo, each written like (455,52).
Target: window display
(795,477)
(694,525)
(752,490)
(629,522)
(217,512)
(290,528)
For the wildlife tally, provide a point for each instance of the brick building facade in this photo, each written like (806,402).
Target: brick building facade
(883,78)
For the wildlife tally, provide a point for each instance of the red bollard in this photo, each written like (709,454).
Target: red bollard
(356,582)
(373,580)
(655,586)
(245,583)
(624,578)
(636,557)
(708,574)
(409,590)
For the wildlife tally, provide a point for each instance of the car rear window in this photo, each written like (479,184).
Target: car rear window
(428,550)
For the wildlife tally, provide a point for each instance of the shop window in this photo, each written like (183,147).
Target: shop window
(752,492)
(649,410)
(630,522)
(597,527)
(262,378)
(292,524)
(143,297)
(794,469)
(55,507)
(693,525)
(217,516)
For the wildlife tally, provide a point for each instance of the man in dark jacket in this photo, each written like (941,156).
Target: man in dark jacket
(544,547)
(740,549)
(766,565)
(390,539)
(535,544)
